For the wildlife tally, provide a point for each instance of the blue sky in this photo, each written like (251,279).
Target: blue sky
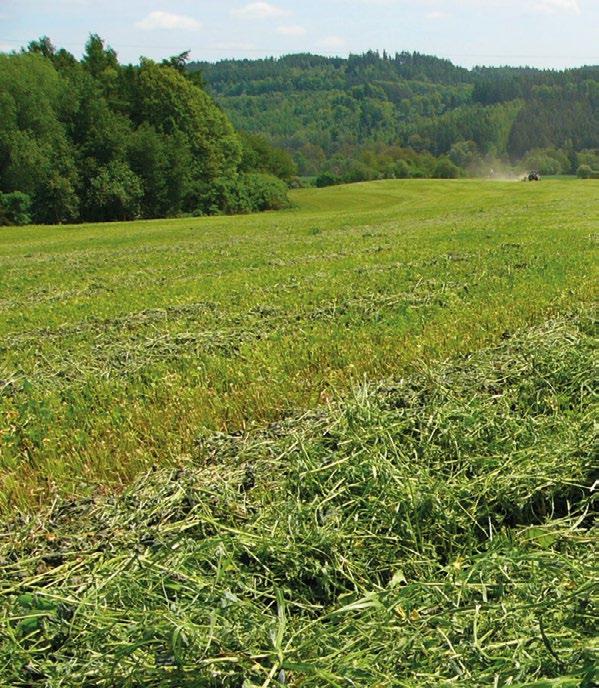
(545,33)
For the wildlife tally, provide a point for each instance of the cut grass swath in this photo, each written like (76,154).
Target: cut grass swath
(430,531)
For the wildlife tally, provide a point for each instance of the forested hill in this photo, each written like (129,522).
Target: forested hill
(336,114)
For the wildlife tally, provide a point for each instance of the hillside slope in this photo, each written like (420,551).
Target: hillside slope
(322,107)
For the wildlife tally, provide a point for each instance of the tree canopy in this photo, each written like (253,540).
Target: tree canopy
(332,113)
(91,139)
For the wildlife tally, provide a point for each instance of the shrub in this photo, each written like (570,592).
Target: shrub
(223,195)
(445,169)
(15,208)
(264,192)
(245,193)
(584,172)
(589,157)
(326,179)
(402,169)
(358,171)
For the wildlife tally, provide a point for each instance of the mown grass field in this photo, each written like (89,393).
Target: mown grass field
(120,344)
(351,444)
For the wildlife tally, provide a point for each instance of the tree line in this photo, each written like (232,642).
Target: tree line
(344,118)
(95,140)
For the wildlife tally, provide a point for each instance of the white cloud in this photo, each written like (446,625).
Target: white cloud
(291,30)
(332,43)
(436,15)
(554,6)
(259,10)
(166,20)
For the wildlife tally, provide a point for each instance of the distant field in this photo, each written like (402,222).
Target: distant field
(122,344)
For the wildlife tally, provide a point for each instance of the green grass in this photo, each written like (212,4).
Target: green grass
(426,532)
(121,344)
(349,444)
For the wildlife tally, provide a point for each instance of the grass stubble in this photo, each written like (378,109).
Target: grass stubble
(434,528)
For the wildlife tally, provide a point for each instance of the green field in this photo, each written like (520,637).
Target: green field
(121,344)
(349,444)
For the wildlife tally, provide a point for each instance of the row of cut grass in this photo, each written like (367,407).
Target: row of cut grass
(428,531)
